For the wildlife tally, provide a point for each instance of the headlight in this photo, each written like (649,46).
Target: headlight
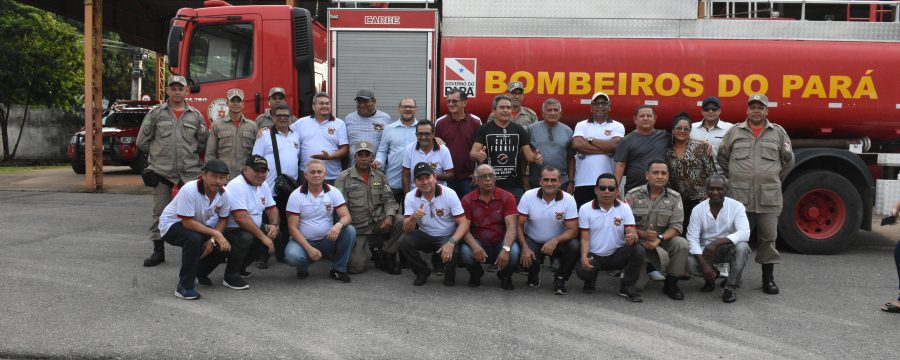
(74,139)
(126,139)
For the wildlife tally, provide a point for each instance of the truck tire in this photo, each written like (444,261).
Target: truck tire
(139,163)
(821,211)
(78,167)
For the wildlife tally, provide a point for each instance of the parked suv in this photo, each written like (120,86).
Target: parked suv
(120,130)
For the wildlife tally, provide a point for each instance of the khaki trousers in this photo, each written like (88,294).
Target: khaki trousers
(766,227)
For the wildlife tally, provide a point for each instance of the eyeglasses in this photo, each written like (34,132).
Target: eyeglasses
(683,128)
(408,107)
(711,108)
(606,188)
(600,103)
(490,176)
(280,116)
(423,134)
(453,101)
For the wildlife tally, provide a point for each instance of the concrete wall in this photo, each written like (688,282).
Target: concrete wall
(47,133)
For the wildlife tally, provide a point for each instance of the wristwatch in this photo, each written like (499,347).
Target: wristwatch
(507,248)
(660,237)
(590,140)
(451,241)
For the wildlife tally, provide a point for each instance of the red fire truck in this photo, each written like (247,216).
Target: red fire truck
(830,84)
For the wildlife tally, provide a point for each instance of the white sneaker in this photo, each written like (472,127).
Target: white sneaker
(656,275)
(723,269)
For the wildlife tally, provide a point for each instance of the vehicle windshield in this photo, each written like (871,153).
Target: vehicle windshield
(124,119)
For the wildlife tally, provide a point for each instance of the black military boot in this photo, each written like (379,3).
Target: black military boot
(670,287)
(158,256)
(768,279)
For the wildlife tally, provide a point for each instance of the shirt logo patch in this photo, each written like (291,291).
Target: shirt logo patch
(559,216)
(328,207)
(617,221)
(376,183)
(439,212)
(296,146)
(262,199)
(218,208)
(607,132)
(331,131)
(378,127)
(434,166)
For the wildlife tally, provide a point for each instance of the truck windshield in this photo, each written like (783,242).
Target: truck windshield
(221,52)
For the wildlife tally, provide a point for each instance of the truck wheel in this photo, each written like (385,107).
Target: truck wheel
(78,167)
(821,210)
(139,163)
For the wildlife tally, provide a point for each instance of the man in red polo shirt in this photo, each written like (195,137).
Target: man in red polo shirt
(492,234)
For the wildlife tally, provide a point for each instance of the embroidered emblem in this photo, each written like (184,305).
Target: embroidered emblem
(607,132)
(331,131)
(378,127)
(434,166)
(376,183)
(439,212)
(262,199)
(218,208)
(559,216)
(328,207)
(296,146)
(617,221)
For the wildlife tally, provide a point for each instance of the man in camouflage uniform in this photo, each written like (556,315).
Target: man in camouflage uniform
(375,213)
(659,216)
(173,134)
(755,155)
(232,136)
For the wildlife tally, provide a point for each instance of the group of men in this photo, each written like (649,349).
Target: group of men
(506,192)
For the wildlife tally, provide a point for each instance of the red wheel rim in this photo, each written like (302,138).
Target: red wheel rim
(820,214)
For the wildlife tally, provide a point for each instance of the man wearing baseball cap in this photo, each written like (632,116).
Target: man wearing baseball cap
(248,199)
(434,220)
(754,155)
(267,118)
(173,134)
(712,128)
(520,114)
(232,136)
(366,123)
(374,212)
(595,141)
(194,221)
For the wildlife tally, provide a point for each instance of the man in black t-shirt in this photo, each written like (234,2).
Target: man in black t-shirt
(638,148)
(503,144)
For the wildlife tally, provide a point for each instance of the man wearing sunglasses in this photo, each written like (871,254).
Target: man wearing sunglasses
(712,128)
(609,239)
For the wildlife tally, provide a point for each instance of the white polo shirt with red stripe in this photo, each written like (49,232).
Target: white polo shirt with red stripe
(607,228)
(439,159)
(440,213)
(316,212)
(191,203)
(546,220)
(253,200)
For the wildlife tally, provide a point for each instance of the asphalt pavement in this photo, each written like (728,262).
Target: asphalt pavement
(74,287)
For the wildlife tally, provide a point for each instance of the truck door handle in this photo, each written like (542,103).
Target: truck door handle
(257,103)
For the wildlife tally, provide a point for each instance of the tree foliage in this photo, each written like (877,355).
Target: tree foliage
(41,62)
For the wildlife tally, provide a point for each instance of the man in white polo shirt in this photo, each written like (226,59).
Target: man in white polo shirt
(441,222)
(312,227)
(608,239)
(426,149)
(595,140)
(322,137)
(248,199)
(548,225)
(718,233)
(194,220)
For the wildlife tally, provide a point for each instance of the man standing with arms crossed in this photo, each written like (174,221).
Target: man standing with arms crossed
(594,142)
(173,134)
(755,155)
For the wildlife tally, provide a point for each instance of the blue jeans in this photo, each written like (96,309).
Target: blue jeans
(465,253)
(296,256)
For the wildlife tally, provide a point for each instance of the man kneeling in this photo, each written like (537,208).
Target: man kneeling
(311,224)
(718,233)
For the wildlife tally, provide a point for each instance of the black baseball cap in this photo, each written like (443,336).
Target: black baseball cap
(216,165)
(257,163)
(422,168)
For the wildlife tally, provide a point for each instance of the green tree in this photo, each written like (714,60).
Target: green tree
(41,63)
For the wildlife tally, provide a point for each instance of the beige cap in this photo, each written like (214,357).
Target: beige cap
(276,90)
(235,92)
(513,85)
(364,145)
(760,98)
(177,79)
(600,94)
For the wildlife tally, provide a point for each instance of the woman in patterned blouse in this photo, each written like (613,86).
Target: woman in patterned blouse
(690,163)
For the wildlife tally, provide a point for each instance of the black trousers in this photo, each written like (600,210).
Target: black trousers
(191,244)
(567,253)
(417,240)
(584,194)
(241,242)
(628,258)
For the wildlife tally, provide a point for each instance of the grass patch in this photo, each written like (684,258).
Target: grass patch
(20,169)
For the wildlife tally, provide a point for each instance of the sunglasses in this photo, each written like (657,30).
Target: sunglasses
(423,134)
(606,188)
(711,108)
